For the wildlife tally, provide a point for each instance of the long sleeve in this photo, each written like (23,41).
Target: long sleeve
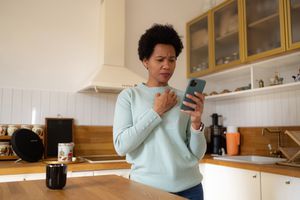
(163,151)
(126,135)
(196,142)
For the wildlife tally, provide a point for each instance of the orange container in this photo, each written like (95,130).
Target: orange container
(232,143)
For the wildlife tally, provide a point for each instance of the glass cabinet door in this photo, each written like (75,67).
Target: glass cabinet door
(293,17)
(197,46)
(227,45)
(264,27)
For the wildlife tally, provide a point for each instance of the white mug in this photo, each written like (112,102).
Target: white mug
(4,148)
(38,130)
(65,152)
(3,130)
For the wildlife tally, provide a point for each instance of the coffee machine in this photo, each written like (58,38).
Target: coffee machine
(217,143)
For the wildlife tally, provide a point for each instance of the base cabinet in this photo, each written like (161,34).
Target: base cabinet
(279,187)
(227,183)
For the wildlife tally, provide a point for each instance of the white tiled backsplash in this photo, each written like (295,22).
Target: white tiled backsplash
(279,109)
(23,106)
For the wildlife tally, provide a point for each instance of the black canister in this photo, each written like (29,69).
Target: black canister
(56,176)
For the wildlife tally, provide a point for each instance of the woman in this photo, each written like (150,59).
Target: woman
(162,143)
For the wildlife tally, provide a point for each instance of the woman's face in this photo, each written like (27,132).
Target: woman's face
(160,65)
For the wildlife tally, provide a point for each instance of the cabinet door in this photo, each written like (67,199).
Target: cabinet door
(198,46)
(293,23)
(265,33)
(227,34)
(278,187)
(227,183)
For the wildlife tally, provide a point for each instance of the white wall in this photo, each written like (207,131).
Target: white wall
(48,44)
(24,106)
(141,14)
(49,47)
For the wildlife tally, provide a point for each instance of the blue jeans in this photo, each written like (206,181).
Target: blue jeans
(193,193)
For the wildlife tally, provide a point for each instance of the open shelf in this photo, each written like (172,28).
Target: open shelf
(5,137)
(256,91)
(240,77)
(9,157)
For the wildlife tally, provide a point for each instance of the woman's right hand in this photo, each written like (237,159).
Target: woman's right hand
(164,102)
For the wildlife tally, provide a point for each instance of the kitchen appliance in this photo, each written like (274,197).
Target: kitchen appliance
(112,76)
(27,145)
(217,138)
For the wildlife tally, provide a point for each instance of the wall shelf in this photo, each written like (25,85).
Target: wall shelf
(231,79)
(5,137)
(256,91)
(9,157)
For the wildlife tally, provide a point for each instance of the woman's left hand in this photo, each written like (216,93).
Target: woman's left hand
(195,114)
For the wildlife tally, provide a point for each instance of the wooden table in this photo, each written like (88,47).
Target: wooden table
(110,187)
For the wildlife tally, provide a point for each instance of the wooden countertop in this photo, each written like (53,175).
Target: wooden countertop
(98,187)
(271,168)
(10,167)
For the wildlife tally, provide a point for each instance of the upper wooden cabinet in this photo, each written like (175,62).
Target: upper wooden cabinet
(293,23)
(241,31)
(227,38)
(264,28)
(198,43)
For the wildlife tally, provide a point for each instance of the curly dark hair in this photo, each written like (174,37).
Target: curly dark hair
(158,34)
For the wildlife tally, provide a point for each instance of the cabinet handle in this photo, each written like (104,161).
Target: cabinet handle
(254,176)
(287,182)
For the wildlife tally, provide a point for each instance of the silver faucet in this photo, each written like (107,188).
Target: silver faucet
(273,131)
(273,152)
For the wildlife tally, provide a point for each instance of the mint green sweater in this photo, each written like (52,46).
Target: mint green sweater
(163,151)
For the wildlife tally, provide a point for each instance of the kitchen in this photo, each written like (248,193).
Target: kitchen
(48,55)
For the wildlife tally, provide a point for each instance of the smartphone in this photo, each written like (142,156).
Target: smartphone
(195,85)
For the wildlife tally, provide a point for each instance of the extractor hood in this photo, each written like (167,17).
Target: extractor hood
(112,75)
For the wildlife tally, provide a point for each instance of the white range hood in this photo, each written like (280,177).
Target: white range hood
(112,76)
